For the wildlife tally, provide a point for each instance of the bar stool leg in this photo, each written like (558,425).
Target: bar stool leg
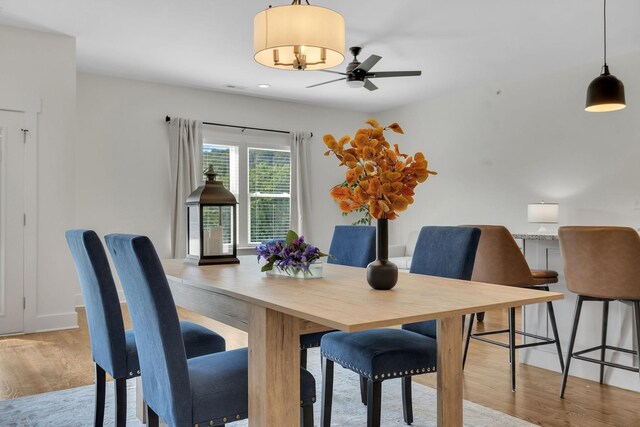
(554,328)
(466,344)
(605,322)
(636,312)
(572,341)
(512,346)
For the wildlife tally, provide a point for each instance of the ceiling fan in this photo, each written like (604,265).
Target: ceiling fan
(358,73)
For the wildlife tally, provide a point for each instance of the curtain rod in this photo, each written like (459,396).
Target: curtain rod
(168,119)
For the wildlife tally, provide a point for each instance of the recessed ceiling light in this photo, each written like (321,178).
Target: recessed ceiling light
(263,85)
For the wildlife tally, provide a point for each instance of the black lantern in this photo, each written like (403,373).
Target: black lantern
(212,231)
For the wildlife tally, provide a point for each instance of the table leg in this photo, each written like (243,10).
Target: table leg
(450,371)
(274,368)
(141,407)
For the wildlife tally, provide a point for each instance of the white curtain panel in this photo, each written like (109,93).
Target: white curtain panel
(185,137)
(300,186)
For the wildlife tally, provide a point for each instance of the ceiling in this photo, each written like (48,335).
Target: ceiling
(456,43)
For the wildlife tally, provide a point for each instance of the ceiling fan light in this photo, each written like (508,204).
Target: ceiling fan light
(298,37)
(355,83)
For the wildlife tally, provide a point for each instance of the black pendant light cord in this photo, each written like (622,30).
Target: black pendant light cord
(605,67)
(604,14)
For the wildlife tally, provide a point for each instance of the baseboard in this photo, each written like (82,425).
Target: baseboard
(589,371)
(56,322)
(80,301)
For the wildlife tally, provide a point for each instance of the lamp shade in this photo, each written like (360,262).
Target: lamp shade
(605,93)
(546,213)
(298,37)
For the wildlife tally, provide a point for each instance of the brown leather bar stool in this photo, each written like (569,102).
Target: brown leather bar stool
(601,264)
(500,261)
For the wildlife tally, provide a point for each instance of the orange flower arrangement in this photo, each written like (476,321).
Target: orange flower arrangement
(378,176)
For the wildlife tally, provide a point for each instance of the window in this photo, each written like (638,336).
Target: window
(258,173)
(269,194)
(221,159)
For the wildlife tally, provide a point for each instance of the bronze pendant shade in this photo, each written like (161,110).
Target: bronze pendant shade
(605,92)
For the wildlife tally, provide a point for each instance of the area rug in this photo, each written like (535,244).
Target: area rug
(74,407)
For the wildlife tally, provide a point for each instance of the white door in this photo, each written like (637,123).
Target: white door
(12,171)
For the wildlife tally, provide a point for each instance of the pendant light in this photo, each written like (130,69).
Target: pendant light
(606,92)
(298,37)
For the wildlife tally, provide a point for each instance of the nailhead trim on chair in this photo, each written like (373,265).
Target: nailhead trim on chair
(223,420)
(240,416)
(132,375)
(368,375)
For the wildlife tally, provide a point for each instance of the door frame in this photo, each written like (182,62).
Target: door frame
(30,107)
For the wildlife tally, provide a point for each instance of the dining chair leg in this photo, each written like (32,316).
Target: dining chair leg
(636,313)
(468,339)
(556,336)
(363,389)
(306,415)
(98,419)
(605,326)
(303,358)
(327,392)
(152,418)
(120,389)
(512,345)
(407,405)
(374,403)
(572,340)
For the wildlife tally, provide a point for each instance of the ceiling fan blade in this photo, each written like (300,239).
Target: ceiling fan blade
(324,83)
(368,63)
(393,74)
(369,85)
(334,72)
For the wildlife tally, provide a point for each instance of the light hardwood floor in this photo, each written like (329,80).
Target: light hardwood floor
(38,363)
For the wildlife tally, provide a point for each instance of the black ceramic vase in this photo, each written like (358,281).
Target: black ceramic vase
(382,274)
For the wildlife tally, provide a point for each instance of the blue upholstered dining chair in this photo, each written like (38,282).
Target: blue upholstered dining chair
(381,354)
(209,390)
(351,245)
(443,252)
(114,349)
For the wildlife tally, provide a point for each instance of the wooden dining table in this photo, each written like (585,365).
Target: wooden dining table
(276,310)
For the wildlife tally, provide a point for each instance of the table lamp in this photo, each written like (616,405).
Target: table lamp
(543,213)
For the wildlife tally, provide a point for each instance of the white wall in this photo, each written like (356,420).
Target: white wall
(497,152)
(41,65)
(122,156)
